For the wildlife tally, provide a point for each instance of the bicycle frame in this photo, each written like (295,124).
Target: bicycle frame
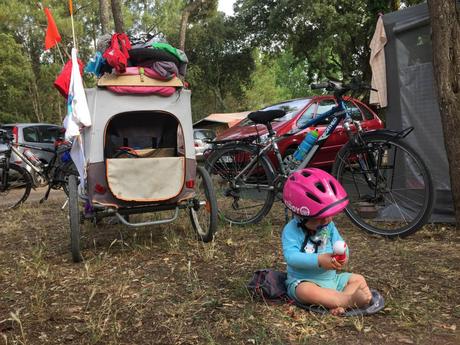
(272,144)
(338,113)
(38,170)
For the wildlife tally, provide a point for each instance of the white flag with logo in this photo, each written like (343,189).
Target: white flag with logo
(78,116)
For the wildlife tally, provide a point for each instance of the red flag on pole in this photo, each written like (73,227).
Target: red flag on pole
(52,34)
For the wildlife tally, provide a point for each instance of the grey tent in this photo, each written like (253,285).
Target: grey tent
(412,98)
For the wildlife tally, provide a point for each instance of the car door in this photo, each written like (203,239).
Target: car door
(47,135)
(31,136)
(371,120)
(327,153)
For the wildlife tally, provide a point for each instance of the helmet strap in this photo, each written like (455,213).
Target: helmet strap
(302,223)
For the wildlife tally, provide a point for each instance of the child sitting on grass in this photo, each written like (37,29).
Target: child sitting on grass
(314,197)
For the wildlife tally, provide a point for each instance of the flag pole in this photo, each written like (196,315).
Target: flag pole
(73,27)
(60,54)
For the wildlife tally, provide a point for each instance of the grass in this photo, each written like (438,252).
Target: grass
(158,285)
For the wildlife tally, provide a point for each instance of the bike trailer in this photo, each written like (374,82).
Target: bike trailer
(159,129)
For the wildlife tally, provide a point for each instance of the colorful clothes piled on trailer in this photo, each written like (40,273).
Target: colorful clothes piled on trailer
(117,54)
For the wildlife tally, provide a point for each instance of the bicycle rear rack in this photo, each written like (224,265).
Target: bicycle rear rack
(401,134)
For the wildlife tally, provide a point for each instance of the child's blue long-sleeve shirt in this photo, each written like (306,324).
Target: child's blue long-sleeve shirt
(303,265)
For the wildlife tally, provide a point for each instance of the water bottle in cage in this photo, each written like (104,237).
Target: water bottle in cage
(306,145)
(32,157)
(292,162)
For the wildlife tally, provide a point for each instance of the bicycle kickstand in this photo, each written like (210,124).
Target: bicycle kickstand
(45,197)
(65,204)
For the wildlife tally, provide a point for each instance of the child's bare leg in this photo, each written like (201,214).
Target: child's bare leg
(334,300)
(356,293)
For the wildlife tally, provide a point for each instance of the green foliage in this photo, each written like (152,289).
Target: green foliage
(294,41)
(264,89)
(155,17)
(204,11)
(276,78)
(292,74)
(15,78)
(332,35)
(221,64)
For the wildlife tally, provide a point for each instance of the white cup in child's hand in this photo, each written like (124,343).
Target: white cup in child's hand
(340,250)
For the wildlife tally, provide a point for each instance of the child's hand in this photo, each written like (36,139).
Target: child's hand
(328,262)
(344,261)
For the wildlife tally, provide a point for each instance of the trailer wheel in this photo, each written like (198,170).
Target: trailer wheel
(203,213)
(74,218)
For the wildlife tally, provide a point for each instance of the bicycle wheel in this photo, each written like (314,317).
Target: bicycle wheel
(243,183)
(203,214)
(388,185)
(65,171)
(74,219)
(19,184)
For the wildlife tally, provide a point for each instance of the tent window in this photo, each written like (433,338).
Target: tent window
(414,46)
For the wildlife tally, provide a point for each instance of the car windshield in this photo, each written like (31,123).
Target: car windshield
(204,134)
(291,108)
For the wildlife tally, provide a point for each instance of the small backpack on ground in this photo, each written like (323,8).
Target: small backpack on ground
(268,284)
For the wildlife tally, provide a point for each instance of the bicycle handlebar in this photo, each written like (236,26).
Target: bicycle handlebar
(319,86)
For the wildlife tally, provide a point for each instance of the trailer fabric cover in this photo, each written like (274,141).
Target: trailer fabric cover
(104,105)
(143,179)
(412,97)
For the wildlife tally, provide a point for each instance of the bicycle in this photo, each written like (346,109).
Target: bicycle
(16,182)
(388,185)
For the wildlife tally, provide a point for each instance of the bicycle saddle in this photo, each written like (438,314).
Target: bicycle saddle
(264,117)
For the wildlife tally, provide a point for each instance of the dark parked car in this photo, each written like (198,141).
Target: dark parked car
(298,112)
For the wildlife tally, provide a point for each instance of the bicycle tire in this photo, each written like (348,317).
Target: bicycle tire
(240,202)
(204,222)
(74,219)
(393,212)
(19,186)
(66,170)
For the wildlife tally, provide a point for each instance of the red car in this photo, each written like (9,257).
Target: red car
(298,112)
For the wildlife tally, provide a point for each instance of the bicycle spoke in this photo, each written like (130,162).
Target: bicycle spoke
(243,189)
(389,193)
(18,187)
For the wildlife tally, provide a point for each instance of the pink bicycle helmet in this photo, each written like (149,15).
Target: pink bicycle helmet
(314,193)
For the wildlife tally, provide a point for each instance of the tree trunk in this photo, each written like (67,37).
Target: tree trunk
(183,29)
(117,16)
(220,99)
(445,26)
(395,5)
(35,98)
(192,6)
(104,16)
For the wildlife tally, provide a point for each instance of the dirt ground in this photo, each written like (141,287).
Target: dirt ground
(158,285)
